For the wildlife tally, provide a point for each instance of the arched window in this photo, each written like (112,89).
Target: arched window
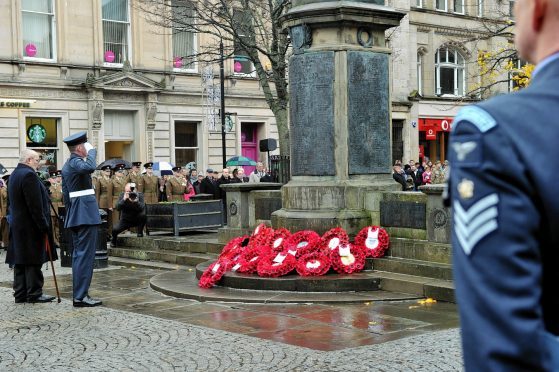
(449,72)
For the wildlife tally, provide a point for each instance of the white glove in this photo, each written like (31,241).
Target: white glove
(88,146)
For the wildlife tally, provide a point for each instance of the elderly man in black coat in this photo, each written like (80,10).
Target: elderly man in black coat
(30,225)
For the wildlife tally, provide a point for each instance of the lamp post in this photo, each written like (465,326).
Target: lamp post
(222,99)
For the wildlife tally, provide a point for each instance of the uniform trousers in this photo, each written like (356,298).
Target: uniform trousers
(85,238)
(28,282)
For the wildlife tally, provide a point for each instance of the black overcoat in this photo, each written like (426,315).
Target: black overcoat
(29,218)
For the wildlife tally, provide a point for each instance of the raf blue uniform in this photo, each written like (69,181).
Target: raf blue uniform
(505,232)
(82,214)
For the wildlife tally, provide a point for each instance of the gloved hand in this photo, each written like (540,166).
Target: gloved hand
(88,146)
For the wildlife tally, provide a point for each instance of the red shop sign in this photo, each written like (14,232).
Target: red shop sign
(437,124)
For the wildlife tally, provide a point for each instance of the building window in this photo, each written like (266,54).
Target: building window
(116,31)
(449,73)
(419,3)
(242,65)
(37,18)
(186,142)
(42,136)
(480,8)
(516,74)
(511,8)
(441,5)
(184,48)
(459,6)
(420,74)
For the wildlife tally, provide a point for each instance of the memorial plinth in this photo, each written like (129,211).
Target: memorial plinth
(339,113)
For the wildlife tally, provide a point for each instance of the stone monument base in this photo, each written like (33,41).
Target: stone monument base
(322,205)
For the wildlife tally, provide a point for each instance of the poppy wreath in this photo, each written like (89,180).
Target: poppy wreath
(313,264)
(353,262)
(328,241)
(280,236)
(269,267)
(374,241)
(261,236)
(213,273)
(234,247)
(302,242)
(248,261)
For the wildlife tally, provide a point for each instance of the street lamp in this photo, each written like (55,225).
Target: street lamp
(222,110)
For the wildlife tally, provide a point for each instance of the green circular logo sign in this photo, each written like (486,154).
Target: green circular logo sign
(37,133)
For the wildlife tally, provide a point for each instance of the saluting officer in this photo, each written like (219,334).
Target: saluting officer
(176,186)
(135,176)
(151,184)
(82,214)
(4,227)
(104,194)
(119,181)
(505,208)
(56,198)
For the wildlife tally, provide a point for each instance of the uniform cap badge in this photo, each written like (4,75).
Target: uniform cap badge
(466,189)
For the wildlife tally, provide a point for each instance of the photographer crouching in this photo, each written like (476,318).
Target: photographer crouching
(132,212)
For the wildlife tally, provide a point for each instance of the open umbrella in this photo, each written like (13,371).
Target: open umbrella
(191,165)
(113,162)
(240,160)
(161,165)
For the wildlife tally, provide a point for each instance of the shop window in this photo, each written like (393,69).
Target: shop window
(449,73)
(441,5)
(186,143)
(37,23)
(116,31)
(242,65)
(42,136)
(184,37)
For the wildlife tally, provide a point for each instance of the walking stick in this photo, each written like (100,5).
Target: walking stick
(52,266)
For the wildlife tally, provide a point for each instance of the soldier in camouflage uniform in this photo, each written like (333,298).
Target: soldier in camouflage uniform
(119,181)
(103,185)
(55,192)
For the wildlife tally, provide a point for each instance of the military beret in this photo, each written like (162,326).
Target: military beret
(176,169)
(137,163)
(106,167)
(148,165)
(76,139)
(119,167)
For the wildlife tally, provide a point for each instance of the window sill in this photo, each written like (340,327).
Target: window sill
(43,60)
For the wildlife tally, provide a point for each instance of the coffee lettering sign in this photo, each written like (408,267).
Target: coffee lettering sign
(14,104)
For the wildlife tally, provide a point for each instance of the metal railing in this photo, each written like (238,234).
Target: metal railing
(279,168)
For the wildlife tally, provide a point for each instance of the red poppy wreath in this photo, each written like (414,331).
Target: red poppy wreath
(302,242)
(374,241)
(313,264)
(334,238)
(234,247)
(347,259)
(248,261)
(261,237)
(279,238)
(275,265)
(213,274)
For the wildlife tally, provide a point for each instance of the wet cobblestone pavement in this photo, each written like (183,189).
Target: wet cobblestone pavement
(139,329)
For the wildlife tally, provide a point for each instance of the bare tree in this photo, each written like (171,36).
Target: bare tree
(249,29)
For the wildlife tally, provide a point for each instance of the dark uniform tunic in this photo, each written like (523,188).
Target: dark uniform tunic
(56,199)
(505,233)
(151,186)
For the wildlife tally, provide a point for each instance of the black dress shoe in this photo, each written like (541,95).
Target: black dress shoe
(87,302)
(42,298)
(140,235)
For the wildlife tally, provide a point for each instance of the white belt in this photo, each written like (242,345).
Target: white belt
(75,194)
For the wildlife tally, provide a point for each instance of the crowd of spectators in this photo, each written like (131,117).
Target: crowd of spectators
(414,174)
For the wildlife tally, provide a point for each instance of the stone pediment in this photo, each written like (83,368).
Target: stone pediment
(125,80)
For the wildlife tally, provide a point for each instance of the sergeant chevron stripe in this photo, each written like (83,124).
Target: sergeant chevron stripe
(477,222)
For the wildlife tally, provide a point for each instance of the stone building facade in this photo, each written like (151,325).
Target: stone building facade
(98,65)
(435,69)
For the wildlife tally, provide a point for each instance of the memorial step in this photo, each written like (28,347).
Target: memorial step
(201,243)
(441,290)
(413,267)
(133,263)
(173,257)
(422,250)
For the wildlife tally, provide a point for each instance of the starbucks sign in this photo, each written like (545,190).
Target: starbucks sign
(37,133)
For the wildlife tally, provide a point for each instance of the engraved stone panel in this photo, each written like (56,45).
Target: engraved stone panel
(403,214)
(311,77)
(263,207)
(368,116)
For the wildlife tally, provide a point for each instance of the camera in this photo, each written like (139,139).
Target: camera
(132,195)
